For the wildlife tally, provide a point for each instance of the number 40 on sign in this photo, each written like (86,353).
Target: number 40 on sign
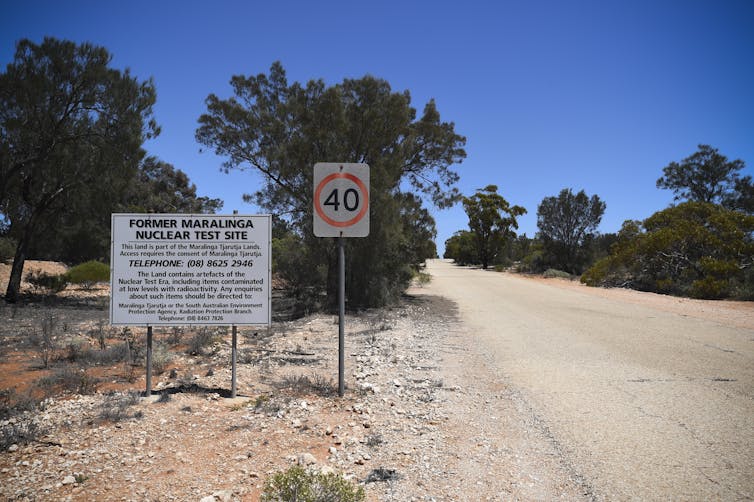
(341,199)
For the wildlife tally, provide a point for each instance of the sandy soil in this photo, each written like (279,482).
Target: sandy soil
(431,411)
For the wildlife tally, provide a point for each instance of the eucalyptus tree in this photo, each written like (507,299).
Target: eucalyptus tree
(708,176)
(71,126)
(280,130)
(491,221)
(566,223)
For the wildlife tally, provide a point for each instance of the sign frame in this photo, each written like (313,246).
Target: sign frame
(222,264)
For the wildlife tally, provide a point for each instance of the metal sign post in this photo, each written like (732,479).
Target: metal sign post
(233,360)
(341,317)
(149,362)
(341,209)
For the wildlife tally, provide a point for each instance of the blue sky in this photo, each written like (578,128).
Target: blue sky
(593,95)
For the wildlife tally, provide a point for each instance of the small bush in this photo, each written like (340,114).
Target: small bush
(374,440)
(68,379)
(422,278)
(297,484)
(114,354)
(551,273)
(42,282)
(115,408)
(161,358)
(12,403)
(267,405)
(100,333)
(317,384)
(78,350)
(201,340)
(7,248)
(43,339)
(88,274)
(176,335)
(19,432)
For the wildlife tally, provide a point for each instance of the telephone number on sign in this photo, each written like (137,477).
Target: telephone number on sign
(219,263)
(205,318)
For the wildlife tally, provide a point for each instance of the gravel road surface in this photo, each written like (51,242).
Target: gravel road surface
(640,402)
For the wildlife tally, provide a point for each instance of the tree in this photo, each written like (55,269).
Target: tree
(742,196)
(69,124)
(461,248)
(565,224)
(281,130)
(491,220)
(706,176)
(419,229)
(82,231)
(693,249)
(161,188)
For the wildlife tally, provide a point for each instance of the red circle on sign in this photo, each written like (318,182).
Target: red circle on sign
(321,212)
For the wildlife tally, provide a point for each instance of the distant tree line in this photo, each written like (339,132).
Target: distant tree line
(71,152)
(702,247)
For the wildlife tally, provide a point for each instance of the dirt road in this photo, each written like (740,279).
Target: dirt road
(638,402)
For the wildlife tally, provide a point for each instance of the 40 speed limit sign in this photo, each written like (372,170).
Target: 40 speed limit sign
(341,199)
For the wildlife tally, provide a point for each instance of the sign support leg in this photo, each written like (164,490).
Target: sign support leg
(233,357)
(341,316)
(149,361)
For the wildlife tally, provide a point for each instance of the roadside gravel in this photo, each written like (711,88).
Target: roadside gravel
(423,419)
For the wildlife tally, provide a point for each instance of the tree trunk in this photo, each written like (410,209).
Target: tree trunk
(14,283)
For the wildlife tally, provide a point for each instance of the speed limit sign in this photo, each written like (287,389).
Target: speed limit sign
(341,199)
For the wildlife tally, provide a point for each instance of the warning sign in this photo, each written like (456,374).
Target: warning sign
(183,269)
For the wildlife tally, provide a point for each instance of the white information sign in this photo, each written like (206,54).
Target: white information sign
(341,199)
(184,269)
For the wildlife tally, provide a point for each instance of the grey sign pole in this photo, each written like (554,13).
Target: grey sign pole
(341,209)
(233,358)
(149,361)
(341,317)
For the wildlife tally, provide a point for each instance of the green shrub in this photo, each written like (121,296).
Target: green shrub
(88,274)
(44,282)
(551,273)
(692,249)
(297,484)
(68,379)
(22,431)
(44,338)
(7,248)
(422,278)
(161,358)
(201,341)
(115,407)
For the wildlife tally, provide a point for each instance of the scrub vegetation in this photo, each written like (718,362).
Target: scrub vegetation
(702,247)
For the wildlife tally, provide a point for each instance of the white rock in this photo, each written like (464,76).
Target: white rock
(223,495)
(326,470)
(306,459)
(13,447)
(69,480)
